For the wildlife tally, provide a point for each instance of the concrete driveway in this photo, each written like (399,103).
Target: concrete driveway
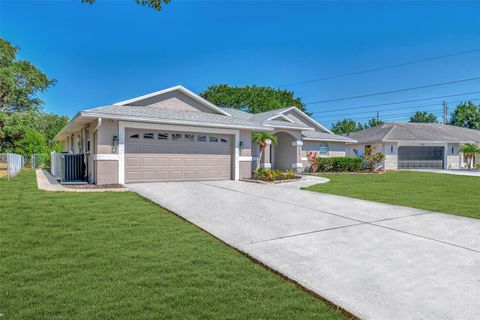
(377,261)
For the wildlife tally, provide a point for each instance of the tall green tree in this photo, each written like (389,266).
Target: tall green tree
(373,123)
(253,99)
(20,81)
(155,4)
(423,117)
(466,115)
(16,126)
(346,126)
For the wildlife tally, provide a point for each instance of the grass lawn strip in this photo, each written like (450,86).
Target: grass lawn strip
(454,194)
(117,256)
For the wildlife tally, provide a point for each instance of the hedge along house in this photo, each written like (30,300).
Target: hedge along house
(176,135)
(415,145)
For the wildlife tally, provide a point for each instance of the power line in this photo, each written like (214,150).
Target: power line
(386,117)
(381,112)
(395,91)
(398,102)
(379,68)
(418,108)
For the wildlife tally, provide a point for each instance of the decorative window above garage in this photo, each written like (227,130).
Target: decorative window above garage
(176,136)
(224,140)
(189,137)
(163,136)
(202,138)
(134,136)
(148,135)
(213,139)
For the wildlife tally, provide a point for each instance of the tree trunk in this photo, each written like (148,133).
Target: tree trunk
(259,158)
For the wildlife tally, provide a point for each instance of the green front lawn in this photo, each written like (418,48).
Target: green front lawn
(118,256)
(453,194)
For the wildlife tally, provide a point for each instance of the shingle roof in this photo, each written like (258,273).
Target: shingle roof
(325,136)
(398,131)
(141,112)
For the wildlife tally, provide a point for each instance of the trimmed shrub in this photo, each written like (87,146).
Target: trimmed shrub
(340,164)
(272,175)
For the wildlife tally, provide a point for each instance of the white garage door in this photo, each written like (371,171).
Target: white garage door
(152,155)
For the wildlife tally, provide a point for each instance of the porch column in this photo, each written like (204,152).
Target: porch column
(298,166)
(265,160)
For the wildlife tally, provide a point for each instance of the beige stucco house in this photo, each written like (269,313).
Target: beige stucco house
(415,145)
(174,134)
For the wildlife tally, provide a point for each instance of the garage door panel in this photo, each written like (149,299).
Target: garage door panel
(148,162)
(189,162)
(175,174)
(148,148)
(166,159)
(420,157)
(133,161)
(189,174)
(162,175)
(133,176)
(161,162)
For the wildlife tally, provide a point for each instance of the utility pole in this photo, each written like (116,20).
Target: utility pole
(445,112)
(378,115)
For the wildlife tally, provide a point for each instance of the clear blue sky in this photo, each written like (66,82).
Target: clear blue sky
(116,50)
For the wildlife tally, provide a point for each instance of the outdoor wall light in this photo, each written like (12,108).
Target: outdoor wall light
(115,143)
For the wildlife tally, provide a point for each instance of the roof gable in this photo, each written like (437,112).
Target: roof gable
(298,116)
(174,98)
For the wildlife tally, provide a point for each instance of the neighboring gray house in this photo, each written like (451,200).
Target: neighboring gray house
(415,145)
(174,134)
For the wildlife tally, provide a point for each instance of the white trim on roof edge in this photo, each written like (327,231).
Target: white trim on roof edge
(334,140)
(281,115)
(307,117)
(181,89)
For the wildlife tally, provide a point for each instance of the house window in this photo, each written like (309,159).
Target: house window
(134,136)
(323,150)
(163,136)
(189,137)
(148,135)
(202,138)
(176,136)
(213,139)
(223,140)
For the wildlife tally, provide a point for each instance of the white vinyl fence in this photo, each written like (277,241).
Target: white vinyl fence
(56,164)
(11,164)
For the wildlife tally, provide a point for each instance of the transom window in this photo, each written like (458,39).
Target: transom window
(189,137)
(176,136)
(201,138)
(213,139)
(148,135)
(323,150)
(163,136)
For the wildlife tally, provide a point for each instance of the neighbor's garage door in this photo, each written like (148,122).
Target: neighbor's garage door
(175,156)
(420,157)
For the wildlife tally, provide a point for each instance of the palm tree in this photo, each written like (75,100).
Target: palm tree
(469,150)
(262,138)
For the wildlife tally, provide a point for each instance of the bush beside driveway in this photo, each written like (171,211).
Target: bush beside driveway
(454,194)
